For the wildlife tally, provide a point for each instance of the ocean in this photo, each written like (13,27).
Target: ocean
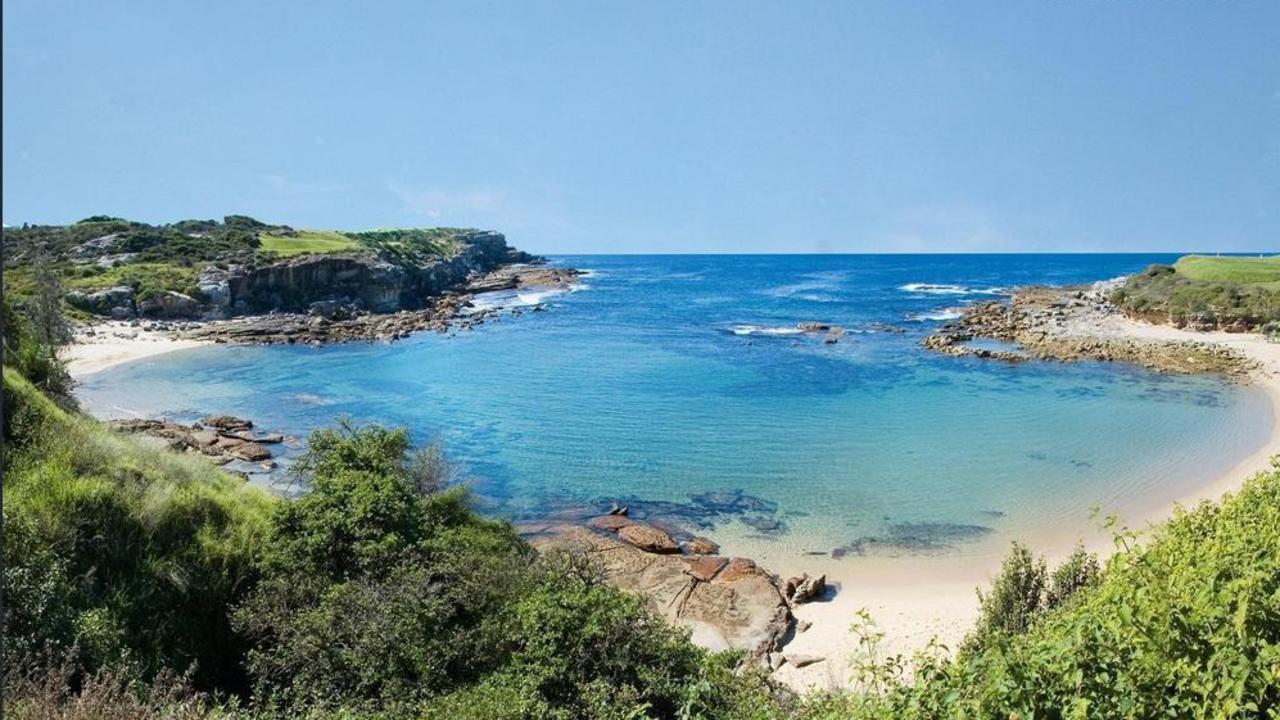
(678,385)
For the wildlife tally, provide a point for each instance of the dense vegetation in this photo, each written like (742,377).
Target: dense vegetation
(1237,293)
(102,251)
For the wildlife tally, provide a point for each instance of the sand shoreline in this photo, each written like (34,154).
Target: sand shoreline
(116,343)
(914,600)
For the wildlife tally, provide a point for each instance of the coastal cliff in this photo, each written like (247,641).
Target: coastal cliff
(209,270)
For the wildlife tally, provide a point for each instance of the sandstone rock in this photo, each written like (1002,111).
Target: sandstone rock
(804,588)
(169,304)
(702,546)
(705,568)
(648,538)
(612,523)
(739,568)
(226,423)
(250,451)
(744,611)
(204,438)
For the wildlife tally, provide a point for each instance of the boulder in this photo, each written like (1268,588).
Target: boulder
(612,523)
(804,588)
(742,610)
(226,423)
(702,546)
(114,301)
(648,538)
(169,304)
(253,452)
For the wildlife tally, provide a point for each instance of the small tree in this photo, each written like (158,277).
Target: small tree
(430,471)
(1015,598)
(49,325)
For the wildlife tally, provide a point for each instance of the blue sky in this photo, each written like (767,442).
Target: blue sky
(660,126)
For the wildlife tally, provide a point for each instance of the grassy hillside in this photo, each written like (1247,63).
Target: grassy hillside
(101,251)
(1233,293)
(303,242)
(129,552)
(1229,269)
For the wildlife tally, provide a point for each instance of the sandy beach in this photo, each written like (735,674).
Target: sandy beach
(917,599)
(115,343)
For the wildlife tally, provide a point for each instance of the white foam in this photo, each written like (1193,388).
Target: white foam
(770,331)
(948,289)
(951,313)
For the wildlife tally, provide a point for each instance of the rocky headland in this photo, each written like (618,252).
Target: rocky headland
(241,280)
(1070,324)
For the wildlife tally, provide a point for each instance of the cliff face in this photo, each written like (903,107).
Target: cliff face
(374,283)
(368,280)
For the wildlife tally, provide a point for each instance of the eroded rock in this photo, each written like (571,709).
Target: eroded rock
(740,606)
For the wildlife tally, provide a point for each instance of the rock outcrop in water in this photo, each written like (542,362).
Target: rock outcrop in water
(222,438)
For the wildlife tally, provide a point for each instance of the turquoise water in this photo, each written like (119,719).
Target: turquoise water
(671,382)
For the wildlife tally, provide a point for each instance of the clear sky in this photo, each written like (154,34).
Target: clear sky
(660,126)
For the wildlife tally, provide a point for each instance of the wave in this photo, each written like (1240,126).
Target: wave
(948,289)
(951,313)
(512,299)
(766,330)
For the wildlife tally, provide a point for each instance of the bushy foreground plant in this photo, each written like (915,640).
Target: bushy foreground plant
(376,595)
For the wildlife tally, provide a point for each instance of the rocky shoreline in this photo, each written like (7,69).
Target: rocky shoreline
(343,320)
(1063,324)
(225,440)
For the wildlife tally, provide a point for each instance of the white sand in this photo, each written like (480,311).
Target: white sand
(916,599)
(114,343)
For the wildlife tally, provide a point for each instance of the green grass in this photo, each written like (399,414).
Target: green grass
(146,278)
(308,241)
(130,553)
(1230,269)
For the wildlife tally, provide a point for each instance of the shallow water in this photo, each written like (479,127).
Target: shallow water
(667,377)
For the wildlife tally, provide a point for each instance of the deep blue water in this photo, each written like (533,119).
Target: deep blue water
(660,380)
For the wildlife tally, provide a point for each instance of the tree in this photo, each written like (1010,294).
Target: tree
(48,325)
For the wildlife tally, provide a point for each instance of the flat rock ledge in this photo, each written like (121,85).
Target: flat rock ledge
(222,438)
(1064,324)
(726,603)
